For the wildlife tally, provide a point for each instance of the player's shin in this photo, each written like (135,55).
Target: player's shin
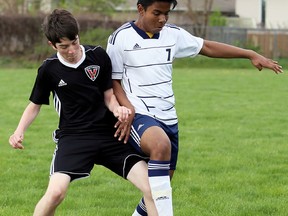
(159,180)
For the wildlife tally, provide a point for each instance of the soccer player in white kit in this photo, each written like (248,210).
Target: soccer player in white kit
(142,53)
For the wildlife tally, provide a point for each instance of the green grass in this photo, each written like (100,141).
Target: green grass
(219,63)
(232,160)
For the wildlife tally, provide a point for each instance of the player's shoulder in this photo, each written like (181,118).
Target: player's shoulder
(95,52)
(49,62)
(172,27)
(174,30)
(48,66)
(123,28)
(120,32)
(93,49)
(51,59)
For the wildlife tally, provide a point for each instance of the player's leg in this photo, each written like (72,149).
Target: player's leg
(139,177)
(68,159)
(125,161)
(153,141)
(156,143)
(152,134)
(53,196)
(141,209)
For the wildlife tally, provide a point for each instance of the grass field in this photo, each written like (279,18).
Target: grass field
(233,149)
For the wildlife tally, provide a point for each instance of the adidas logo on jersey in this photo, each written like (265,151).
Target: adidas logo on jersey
(136,46)
(62,83)
(140,126)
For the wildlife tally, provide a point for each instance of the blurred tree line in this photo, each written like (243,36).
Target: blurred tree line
(35,7)
(94,16)
(29,46)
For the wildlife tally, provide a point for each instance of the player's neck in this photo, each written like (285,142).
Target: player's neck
(140,26)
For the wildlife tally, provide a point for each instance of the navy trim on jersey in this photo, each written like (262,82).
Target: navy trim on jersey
(155,83)
(114,35)
(148,65)
(142,33)
(172,26)
(155,47)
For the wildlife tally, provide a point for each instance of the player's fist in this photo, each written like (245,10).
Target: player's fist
(16,140)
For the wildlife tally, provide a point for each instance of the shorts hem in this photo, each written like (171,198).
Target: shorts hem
(73,175)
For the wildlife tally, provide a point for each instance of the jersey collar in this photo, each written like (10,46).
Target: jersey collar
(143,33)
(62,60)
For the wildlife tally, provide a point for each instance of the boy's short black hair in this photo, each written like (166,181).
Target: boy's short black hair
(60,24)
(147,3)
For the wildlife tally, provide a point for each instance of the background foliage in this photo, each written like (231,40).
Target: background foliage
(33,7)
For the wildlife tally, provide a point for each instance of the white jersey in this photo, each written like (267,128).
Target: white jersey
(145,66)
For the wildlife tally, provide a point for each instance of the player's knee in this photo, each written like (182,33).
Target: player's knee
(161,151)
(55,196)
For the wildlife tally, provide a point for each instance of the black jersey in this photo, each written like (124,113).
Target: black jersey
(78,90)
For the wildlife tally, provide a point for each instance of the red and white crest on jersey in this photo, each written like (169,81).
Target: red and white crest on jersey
(92,71)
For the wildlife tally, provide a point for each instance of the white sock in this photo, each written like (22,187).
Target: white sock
(159,180)
(162,195)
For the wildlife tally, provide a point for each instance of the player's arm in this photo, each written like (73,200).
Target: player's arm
(120,112)
(220,50)
(123,129)
(28,116)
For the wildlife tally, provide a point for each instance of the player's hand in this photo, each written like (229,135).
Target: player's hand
(16,140)
(122,113)
(261,62)
(124,128)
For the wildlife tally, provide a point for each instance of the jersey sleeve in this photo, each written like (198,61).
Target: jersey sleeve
(106,82)
(187,44)
(116,55)
(41,91)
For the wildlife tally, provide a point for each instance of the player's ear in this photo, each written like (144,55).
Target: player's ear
(52,45)
(140,9)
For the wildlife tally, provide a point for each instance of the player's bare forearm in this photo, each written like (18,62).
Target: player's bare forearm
(215,49)
(220,50)
(28,116)
(120,112)
(123,129)
(121,95)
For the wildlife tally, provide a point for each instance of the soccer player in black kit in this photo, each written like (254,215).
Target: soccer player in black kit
(79,77)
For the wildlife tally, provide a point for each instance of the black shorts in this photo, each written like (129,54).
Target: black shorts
(76,155)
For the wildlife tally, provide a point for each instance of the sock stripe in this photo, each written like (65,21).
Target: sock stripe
(142,205)
(159,165)
(141,208)
(158,168)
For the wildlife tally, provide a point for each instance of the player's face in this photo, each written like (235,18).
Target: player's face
(69,50)
(155,17)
